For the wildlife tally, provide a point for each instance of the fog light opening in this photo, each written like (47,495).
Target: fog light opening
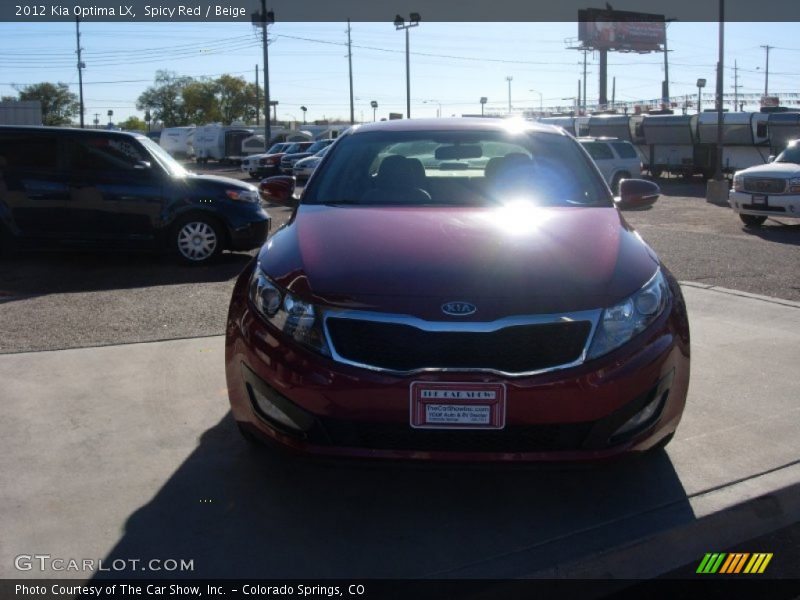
(268,410)
(643,419)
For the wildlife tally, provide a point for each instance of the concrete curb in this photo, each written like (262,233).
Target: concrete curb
(727,516)
(724,516)
(731,292)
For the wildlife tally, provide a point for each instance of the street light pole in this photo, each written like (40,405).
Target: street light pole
(541,111)
(400,23)
(509,79)
(304,109)
(374,105)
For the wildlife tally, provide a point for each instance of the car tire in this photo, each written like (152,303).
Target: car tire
(656,172)
(753,220)
(617,178)
(197,239)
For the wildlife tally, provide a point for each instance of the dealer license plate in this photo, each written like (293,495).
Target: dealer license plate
(458,405)
(759,200)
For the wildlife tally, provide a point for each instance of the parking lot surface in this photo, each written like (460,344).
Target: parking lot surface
(129,452)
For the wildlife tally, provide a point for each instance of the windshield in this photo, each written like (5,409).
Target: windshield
(317,146)
(276,148)
(172,166)
(473,168)
(790,155)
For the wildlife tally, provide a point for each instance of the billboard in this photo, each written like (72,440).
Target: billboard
(621,30)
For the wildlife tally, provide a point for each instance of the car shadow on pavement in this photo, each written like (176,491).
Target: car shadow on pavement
(25,274)
(776,231)
(239,511)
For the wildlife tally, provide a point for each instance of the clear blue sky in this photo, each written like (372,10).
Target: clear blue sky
(459,63)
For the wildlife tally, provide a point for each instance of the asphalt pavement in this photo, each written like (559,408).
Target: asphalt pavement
(129,452)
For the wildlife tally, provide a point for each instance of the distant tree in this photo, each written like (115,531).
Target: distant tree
(200,102)
(165,98)
(59,105)
(8,98)
(236,98)
(133,123)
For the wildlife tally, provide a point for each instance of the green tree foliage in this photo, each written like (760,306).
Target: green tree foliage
(165,99)
(176,100)
(200,102)
(133,123)
(59,105)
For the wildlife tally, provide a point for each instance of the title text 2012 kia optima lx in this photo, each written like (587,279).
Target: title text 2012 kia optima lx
(458,289)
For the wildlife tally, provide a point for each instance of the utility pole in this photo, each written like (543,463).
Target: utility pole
(81,66)
(263,19)
(720,80)
(350,68)
(766,72)
(578,104)
(584,83)
(603,78)
(509,79)
(258,101)
(736,86)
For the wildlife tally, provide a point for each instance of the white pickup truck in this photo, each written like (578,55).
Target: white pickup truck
(770,190)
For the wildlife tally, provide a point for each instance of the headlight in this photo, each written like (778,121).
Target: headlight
(621,322)
(738,182)
(794,186)
(243,195)
(296,318)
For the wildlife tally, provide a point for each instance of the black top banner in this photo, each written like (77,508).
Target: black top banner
(382,10)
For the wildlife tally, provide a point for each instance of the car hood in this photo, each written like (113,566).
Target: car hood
(411,260)
(774,169)
(216,181)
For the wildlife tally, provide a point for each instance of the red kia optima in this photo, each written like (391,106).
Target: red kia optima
(461,289)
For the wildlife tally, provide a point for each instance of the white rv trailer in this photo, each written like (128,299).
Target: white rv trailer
(577,126)
(669,142)
(178,140)
(745,141)
(782,128)
(623,127)
(220,142)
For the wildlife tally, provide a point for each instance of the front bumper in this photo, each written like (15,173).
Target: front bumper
(250,234)
(777,205)
(570,414)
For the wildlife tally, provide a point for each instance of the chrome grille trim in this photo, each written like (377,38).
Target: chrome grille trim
(765,185)
(590,316)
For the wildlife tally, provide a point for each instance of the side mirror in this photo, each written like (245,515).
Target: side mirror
(278,190)
(771,158)
(637,194)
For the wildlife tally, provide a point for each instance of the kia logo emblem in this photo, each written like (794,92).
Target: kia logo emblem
(458,309)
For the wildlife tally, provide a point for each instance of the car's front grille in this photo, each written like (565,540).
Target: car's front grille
(514,349)
(399,436)
(764,185)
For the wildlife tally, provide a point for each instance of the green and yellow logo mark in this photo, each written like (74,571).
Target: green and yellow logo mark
(734,563)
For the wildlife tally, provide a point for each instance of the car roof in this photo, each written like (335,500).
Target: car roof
(455,124)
